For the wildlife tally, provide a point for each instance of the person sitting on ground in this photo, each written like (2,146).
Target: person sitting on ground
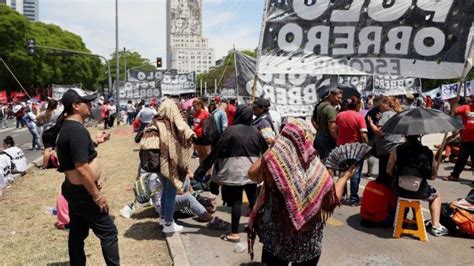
(413,164)
(17,155)
(185,200)
(6,177)
(239,147)
(378,205)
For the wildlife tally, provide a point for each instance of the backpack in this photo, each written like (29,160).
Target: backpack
(141,190)
(464,220)
(12,164)
(209,130)
(150,150)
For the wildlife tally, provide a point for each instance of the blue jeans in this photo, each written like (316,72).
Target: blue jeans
(355,181)
(168,199)
(36,137)
(130,117)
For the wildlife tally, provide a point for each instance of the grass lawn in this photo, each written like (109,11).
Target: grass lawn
(26,228)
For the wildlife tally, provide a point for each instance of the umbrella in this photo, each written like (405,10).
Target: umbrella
(347,92)
(187,104)
(421,121)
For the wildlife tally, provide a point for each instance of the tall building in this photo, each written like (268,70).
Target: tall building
(28,8)
(187,49)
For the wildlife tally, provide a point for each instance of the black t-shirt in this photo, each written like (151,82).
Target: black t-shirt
(74,145)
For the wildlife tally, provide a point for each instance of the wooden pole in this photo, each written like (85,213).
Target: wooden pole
(254,88)
(453,112)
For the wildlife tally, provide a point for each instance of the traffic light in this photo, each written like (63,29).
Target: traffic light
(159,63)
(30,46)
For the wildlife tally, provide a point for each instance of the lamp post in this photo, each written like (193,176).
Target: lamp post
(125,65)
(117,73)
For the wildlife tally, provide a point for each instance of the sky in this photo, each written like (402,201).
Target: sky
(142,24)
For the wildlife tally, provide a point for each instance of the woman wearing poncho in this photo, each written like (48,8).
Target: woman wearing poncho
(298,197)
(175,144)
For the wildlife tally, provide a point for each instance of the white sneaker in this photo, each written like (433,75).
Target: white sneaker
(127,211)
(172,228)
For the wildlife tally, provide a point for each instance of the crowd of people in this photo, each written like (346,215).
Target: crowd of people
(279,164)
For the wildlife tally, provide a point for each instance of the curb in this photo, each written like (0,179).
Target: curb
(29,166)
(177,250)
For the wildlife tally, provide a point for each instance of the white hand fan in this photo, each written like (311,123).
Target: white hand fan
(343,157)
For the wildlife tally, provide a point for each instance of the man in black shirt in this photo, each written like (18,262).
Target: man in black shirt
(77,156)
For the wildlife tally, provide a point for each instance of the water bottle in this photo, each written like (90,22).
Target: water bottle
(240,247)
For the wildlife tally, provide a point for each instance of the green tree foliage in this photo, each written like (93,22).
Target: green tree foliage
(42,69)
(133,59)
(227,78)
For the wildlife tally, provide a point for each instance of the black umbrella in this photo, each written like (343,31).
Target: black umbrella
(347,92)
(421,121)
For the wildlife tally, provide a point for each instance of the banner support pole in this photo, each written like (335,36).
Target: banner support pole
(452,112)
(11,72)
(236,76)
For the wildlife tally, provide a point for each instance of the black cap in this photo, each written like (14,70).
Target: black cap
(262,102)
(76,96)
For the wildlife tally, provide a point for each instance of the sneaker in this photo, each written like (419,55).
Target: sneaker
(127,211)
(218,224)
(172,228)
(439,231)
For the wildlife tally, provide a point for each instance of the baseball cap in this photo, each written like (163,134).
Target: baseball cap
(76,96)
(262,102)
(410,96)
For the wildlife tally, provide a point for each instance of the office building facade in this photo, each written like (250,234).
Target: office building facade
(28,8)
(187,49)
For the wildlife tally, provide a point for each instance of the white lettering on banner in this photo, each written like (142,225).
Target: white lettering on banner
(382,11)
(394,83)
(290,39)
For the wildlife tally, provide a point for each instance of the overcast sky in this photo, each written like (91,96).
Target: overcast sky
(142,24)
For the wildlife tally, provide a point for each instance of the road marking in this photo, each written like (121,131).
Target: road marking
(6,130)
(20,130)
(334,222)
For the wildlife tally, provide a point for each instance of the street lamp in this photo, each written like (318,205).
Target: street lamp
(117,62)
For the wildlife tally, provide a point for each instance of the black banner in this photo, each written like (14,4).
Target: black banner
(176,84)
(421,38)
(393,86)
(136,90)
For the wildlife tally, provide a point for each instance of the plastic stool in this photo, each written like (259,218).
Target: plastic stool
(400,219)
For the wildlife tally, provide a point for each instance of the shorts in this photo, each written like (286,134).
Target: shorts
(48,138)
(426,193)
(202,142)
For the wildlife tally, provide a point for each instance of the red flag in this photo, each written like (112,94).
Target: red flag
(3,97)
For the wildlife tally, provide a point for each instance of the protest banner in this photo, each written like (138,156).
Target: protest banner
(59,90)
(449,91)
(395,86)
(424,39)
(136,90)
(140,75)
(363,83)
(289,94)
(176,84)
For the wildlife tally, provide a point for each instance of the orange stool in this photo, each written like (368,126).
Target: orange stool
(400,219)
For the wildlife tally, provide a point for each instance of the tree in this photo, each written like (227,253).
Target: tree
(134,60)
(42,69)
(225,73)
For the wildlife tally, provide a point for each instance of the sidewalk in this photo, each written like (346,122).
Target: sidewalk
(345,241)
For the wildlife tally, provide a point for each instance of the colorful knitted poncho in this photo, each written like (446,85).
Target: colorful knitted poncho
(298,174)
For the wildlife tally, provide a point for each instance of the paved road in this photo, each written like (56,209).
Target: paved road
(22,139)
(345,241)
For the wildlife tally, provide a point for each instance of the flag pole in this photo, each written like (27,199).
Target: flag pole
(452,112)
(11,72)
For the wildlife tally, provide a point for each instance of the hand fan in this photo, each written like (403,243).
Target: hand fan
(343,157)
